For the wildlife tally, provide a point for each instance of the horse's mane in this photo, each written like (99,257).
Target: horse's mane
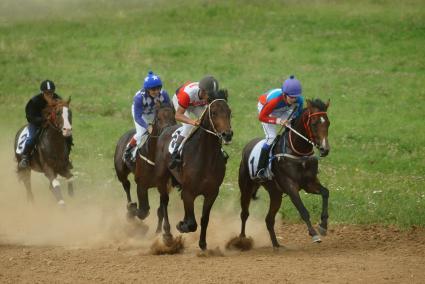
(222,94)
(317,103)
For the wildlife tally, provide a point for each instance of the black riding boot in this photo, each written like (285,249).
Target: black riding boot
(128,157)
(69,144)
(26,157)
(175,156)
(263,163)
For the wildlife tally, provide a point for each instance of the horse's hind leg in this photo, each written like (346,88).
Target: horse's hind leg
(247,189)
(70,182)
(275,202)
(208,203)
(25,176)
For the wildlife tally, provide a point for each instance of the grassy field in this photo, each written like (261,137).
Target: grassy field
(367,57)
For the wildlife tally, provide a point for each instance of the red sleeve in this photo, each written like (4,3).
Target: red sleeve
(267,109)
(183,99)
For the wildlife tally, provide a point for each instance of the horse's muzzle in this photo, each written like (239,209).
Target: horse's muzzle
(227,136)
(324,151)
(66,132)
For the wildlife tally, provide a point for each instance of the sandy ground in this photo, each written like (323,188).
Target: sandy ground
(91,241)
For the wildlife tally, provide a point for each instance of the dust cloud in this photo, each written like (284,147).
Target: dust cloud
(90,221)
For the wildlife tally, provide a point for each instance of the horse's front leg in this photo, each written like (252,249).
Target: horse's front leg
(54,185)
(70,182)
(189,222)
(316,188)
(293,193)
(208,203)
(143,197)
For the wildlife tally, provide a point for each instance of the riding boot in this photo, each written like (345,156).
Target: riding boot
(26,157)
(263,163)
(128,155)
(175,156)
(69,144)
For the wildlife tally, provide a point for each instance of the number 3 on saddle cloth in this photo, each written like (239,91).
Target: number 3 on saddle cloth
(21,141)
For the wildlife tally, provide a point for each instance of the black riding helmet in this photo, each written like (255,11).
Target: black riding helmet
(47,85)
(209,84)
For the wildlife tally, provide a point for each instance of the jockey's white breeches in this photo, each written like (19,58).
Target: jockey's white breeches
(270,129)
(192,111)
(141,132)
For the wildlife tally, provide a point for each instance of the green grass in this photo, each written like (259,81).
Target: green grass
(366,56)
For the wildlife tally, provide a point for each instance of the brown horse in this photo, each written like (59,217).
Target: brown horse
(203,166)
(144,165)
(50,155)
(294,167)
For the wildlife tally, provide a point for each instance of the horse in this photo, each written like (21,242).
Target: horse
(144,164)
(50,155)
(294,167)
(202,169)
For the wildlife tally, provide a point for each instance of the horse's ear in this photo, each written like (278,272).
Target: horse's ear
(157,105)
(69,100)
(308,104)
(328,103)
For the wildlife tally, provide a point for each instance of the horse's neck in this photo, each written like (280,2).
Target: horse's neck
(207,142)
(52,141)
(299,143)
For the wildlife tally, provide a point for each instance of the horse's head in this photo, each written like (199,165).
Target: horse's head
(219,115)
(164,116)
(316,123)
(59,116)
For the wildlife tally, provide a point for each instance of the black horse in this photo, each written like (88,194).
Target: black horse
(203,166)
(294,167)
(145,160)
(50,155)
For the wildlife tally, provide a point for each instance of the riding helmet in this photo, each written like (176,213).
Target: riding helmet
(292,87)
(47,85)
(152,81)
(209,84)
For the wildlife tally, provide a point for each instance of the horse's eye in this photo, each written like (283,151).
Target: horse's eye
(213,113)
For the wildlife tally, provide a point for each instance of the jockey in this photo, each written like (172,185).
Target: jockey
(275,107)
(143,111)
(191,99)
(33,110)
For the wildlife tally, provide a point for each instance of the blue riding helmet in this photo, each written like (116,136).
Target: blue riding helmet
(292,87)
(152,81)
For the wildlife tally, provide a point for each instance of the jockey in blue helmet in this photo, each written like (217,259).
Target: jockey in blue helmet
(143,110)
(275,107)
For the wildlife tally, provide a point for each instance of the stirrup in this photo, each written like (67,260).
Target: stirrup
(24,163)
(261,174)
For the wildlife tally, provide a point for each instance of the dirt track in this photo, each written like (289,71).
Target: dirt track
(348,254)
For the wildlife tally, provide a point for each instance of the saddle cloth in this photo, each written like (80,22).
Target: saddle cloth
(173,140)
(254,156)
(21,140)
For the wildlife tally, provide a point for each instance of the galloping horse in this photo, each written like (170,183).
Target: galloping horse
(203,166)
(50,154)
(144,165)
(294,167)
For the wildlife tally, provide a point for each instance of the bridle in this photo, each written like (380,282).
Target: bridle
(310,138)
(214,132)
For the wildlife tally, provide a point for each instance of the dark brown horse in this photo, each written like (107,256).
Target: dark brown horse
(145,161)
(203,166)
(294,167)
(50,155)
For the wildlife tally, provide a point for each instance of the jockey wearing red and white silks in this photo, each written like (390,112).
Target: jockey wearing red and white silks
(187,97)
(191,99)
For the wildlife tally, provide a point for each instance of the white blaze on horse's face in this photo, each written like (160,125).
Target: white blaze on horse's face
(66,128)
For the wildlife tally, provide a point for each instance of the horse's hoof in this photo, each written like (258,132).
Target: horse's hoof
(61,204)
(167,239)
(184,227)
(322,230)
(316,239)
(142,214)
